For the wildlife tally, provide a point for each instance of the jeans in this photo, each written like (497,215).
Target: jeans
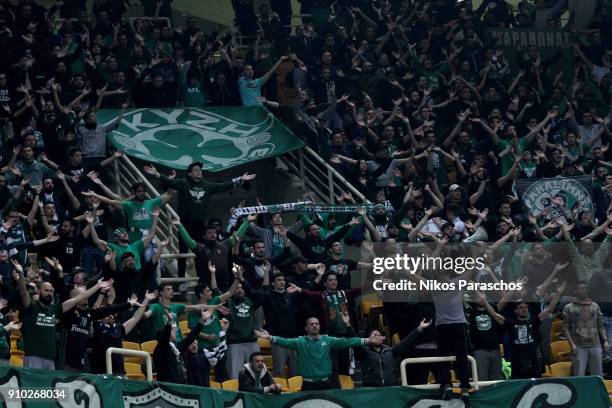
(282,356)
(608,326)
(488,364)
(587,357)
(38,362)
(150,251)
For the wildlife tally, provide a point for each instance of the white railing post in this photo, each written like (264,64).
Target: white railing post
(126,352)
(427,360)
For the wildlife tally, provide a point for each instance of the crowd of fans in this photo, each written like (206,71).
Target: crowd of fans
(413,102)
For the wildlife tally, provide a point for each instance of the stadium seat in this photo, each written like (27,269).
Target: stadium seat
(556,336)
(16,360)
(268,362)
(559,351)
(230,385)
(368,301)
(295,383)
(133,371)
(264,345)
(346,382)
(130,345)
(148,346)
(282,382)
(556,325)
(561,369)
(17,352)
(215,384)
(608,384)
(184,327)
(14,340)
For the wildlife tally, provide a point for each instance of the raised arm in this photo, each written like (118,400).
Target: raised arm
(184,235)
(115,203)
(93,176)
(149,237)
(487,129)
(102,245)
(553,304)
(492,312)
(74,202)
(72,302)
(135,319)
(268,74)
(34,209)
(26,300)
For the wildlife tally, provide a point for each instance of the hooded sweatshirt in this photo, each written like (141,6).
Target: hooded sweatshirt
(250,381)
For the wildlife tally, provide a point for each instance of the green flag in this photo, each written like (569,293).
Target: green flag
(62,389)
(218,137)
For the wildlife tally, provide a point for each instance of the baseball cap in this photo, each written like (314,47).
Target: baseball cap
(119,231)
(454,187)
(277,274)
(192,165)
(78,269)
(127,255)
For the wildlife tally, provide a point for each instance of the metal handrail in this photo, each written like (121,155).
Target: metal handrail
(128,352)
(317,175)
(427,360)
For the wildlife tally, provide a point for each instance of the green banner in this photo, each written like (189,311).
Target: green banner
(45,389)
(557,199)
(218,137)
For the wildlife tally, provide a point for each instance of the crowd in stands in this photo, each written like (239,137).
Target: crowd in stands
(413,102)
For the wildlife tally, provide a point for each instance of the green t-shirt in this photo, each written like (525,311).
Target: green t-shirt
(139,216)
(507,160)
(39,329)
(242,320)
(137,248)
(160,319)
(212,326)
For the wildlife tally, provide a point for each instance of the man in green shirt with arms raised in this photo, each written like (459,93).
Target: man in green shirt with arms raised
(159,311)
(139,212)
(123,244)
(314,349)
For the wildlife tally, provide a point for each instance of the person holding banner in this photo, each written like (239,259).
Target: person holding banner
(211,250)
(193,197)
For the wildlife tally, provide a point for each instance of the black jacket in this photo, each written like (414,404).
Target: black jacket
(171,366)
(186,368)
(279,310)
(248,383)
(198,365)
(377,366)
(315,249)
